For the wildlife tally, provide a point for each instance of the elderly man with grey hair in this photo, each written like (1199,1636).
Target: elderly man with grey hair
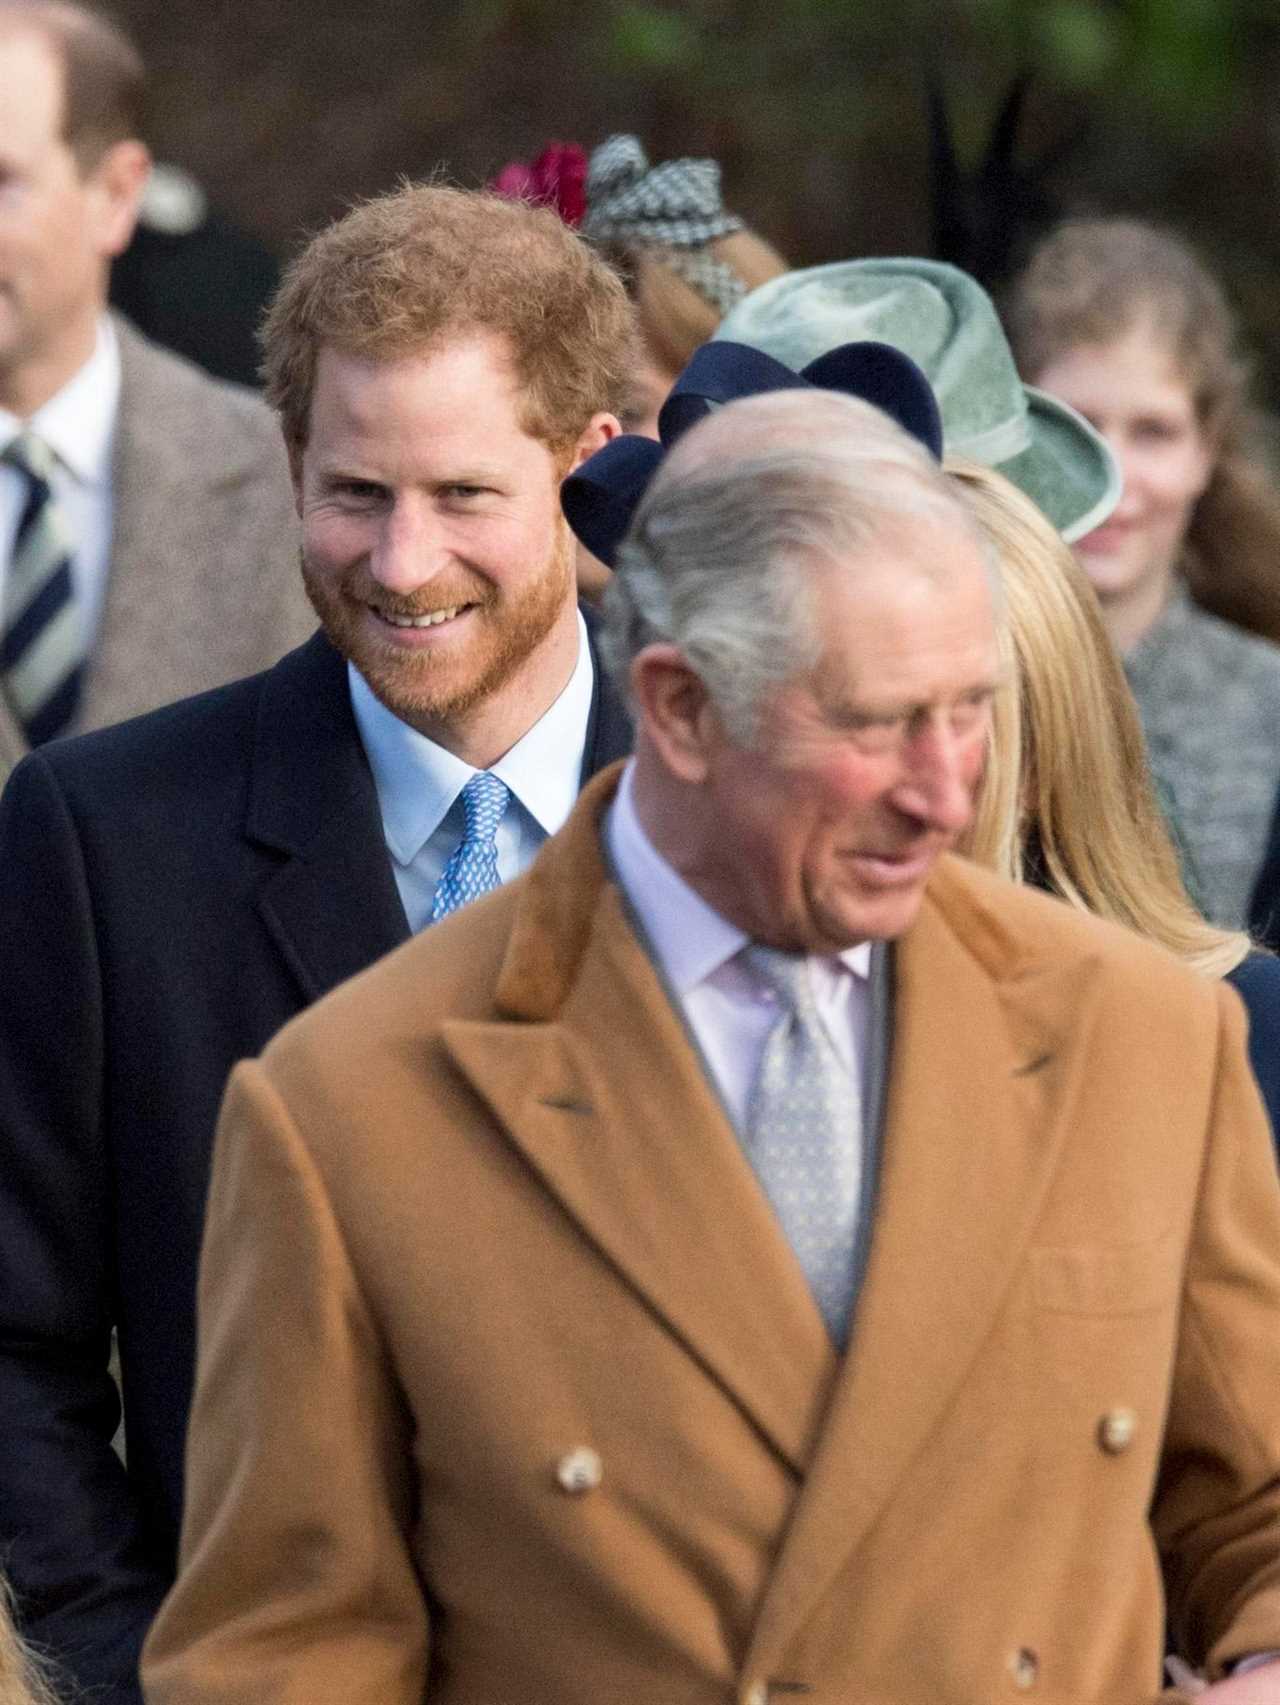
(753,1255)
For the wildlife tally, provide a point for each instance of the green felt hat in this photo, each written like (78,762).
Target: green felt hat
(945,321)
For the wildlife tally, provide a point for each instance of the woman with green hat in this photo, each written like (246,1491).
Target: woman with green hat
(945,321)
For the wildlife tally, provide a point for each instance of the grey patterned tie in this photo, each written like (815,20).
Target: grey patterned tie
(804,1136)
(42,642)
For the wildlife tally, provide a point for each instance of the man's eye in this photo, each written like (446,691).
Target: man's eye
(973,708)
(872,732)
(357,491)
(966,717)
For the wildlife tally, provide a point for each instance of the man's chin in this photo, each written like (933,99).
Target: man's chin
(418,693)
(882,917)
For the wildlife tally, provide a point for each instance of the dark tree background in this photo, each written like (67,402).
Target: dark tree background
(819,110)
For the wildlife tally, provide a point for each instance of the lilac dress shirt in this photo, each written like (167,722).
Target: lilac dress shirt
(729,1011)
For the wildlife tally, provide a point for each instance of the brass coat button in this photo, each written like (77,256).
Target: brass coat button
(1116,1430)
(1024,1666)
(580,1471)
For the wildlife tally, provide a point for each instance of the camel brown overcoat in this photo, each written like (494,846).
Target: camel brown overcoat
(512,1391)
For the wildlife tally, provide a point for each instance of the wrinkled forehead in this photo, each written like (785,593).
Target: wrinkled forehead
(924,552)
(915,608)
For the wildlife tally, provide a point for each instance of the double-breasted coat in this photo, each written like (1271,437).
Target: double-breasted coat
(510,1388)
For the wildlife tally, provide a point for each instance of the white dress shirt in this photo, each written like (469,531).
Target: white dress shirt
(419,785)
(729,1010)
(78,424)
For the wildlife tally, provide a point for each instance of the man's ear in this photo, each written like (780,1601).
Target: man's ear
(116,184)
(675,710)
(594,436)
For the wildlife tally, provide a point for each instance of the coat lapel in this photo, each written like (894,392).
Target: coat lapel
(161,448)
(971,1139)
(332,904)
(606,1100)
(13,745)
(609,730)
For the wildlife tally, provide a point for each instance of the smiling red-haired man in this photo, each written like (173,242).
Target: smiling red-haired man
(175,889)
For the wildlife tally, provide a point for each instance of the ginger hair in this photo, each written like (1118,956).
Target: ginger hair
(405,272)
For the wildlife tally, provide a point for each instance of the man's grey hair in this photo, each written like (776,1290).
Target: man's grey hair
(748,509)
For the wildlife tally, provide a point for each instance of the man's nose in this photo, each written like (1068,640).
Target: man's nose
(939,778)
(410,548)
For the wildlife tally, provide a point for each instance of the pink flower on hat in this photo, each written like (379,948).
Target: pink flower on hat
(557,178)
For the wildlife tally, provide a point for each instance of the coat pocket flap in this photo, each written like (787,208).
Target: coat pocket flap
(1123,1279)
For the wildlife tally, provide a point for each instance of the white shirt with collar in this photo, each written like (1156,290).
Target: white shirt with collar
(729,1010)
(78,423)
(419,785)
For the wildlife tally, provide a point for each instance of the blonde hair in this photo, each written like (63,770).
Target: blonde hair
(1068,765)
(22,1681)
(675,320)
(1091,281)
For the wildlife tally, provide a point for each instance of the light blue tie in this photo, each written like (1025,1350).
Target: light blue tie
(472,869)
(804,1136)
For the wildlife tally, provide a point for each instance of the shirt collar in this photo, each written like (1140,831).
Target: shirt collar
(690,939)
(544,767)
(78,422)
(417,781)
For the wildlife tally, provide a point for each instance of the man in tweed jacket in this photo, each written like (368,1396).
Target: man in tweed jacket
(174,485)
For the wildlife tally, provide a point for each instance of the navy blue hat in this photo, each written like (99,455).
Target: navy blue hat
(600,498)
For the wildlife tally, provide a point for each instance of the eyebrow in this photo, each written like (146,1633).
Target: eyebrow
(895,709)
(340,470)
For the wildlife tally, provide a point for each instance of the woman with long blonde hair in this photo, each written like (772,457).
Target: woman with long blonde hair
(1067,800)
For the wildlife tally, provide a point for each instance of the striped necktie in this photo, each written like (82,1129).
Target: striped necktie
(42,644)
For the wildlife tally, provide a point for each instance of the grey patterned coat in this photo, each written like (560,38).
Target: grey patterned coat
(1209,695)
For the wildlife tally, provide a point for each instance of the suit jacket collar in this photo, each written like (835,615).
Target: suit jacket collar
(332,905)
(13,744)
(151,431)
(162,446)
(633,1142)
(581,1108)
(609,730)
